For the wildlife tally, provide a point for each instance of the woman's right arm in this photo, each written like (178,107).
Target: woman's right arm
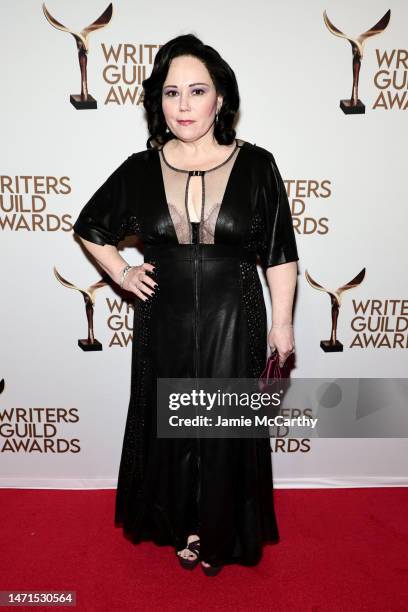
(108,257)
(109,216)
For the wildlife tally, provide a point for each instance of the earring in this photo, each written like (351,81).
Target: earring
(167,129)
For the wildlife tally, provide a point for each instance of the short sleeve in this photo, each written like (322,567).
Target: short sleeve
(278,244)
(110,215)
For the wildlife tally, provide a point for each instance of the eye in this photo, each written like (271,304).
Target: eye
(169,92)
(199,89)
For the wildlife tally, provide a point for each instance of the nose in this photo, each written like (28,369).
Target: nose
(184,103)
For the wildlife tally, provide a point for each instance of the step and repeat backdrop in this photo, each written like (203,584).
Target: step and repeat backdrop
(324,87)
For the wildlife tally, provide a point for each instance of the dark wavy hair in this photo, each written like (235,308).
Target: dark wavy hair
(221,74)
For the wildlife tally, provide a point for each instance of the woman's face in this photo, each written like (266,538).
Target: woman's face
(189,95)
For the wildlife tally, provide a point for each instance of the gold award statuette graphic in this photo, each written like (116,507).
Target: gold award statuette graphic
(84,100)
(90,343)
(333,345)
(354,106)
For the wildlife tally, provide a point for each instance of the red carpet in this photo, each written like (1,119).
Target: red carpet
(340,549)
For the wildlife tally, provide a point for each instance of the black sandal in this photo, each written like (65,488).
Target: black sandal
(194,547)
(213,570)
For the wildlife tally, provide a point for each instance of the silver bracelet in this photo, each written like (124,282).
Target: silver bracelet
(123,274)
(284,325)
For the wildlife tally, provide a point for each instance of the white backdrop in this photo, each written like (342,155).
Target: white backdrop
(292,73)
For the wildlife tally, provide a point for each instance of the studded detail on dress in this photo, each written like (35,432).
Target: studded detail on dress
(128,227)
(133,462)
(255,316)
(255,241)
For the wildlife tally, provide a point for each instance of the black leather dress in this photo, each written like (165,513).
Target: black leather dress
(207,320)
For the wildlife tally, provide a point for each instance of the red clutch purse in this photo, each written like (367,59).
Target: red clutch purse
(271,378)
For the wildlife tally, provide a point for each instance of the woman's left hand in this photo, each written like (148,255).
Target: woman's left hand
(283,340)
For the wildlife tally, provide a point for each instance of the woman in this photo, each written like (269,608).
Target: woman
(204,204)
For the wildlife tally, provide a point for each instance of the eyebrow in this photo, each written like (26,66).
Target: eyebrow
(191,85)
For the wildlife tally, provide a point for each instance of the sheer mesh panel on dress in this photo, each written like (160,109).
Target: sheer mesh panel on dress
(178,182)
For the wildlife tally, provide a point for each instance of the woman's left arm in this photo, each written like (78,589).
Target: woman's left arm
(279,254)
(282,281)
